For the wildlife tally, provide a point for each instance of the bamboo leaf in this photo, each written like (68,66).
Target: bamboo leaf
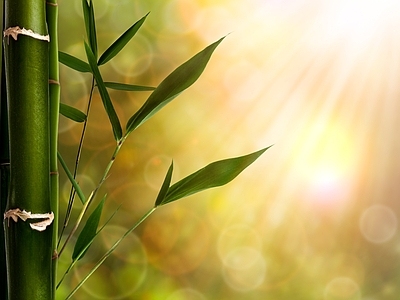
(73,62)
(83,250)
(71,179)
(86,16)
(90,25)
(110,251)
(88,232)
(165,186)
(86,12)
(105,97)
(215,174)
(120,43)
(93,35)
(72,113)
(179,80)
(128,87)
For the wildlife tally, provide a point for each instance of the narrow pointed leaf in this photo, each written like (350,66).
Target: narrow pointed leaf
(165,186)
(92,29)
(88,232)
(215,174)
(73,62)
(93,35)
(72,113)
(80,254)
(120,43)
(109,252)
(71,179)
(90,25)
(179,80)
(105,97)
(86,16)
(128,87)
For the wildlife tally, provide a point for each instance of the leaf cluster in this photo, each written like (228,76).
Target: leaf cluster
(213,175)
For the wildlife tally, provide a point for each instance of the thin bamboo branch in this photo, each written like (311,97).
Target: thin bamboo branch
(77,160)
(80,254)
(78,222)
(113,247)
(54,100)
(94,192)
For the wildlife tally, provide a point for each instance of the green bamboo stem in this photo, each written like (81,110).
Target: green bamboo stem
(4,182)
(54,101)
(4,169)
(29,252)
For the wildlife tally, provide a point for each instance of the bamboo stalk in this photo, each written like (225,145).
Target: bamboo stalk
(54,100)
(4,171)
(4,184)
(28,250)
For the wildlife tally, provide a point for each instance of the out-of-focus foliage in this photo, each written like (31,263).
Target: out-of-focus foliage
(317,78)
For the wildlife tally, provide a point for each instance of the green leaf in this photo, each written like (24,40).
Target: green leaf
(90,25)
(128,87)
(179,80)
(72,113)
(92,35)
(109,252)
(165,186)
(73,62)
(71,179)
(120,43)
(215,174)
(83,250)
(105,97)
(88,232)
(86,16)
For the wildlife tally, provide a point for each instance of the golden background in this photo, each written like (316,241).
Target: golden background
(316,217)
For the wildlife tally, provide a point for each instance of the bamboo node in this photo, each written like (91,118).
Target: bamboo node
(25,215)
(52,81)
(15,31)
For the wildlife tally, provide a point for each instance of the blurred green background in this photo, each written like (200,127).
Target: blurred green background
(316,217)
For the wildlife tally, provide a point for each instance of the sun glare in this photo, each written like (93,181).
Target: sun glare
(356,20)
(327,165)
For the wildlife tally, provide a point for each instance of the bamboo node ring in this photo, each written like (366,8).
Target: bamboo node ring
(15,31)
(24,215)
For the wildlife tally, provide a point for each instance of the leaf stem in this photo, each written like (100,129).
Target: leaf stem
(77,160)
(108,253)
(94,193)
(83,211)
(80,254)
